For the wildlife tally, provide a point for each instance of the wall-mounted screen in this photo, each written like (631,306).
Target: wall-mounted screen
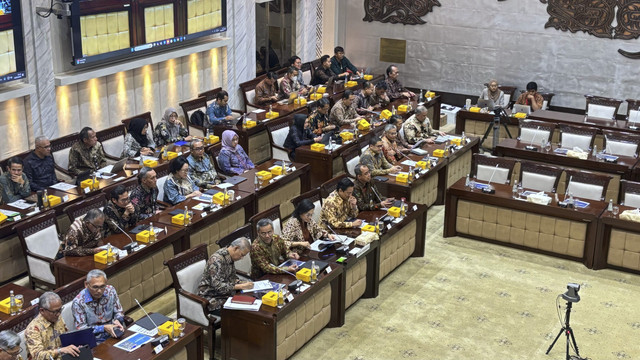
(11,42)
(104,30)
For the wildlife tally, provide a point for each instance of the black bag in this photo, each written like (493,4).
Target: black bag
(197,118)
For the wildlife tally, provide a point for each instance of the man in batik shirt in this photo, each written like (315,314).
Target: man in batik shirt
(375,160)
(380,99)
(340,206)
(120,211)
(84,235)
(289,84)
(418,127)
(144,196)
(366,194)
(343,112)
(201,169)
(87,154)
(268,251)
(42,335)
(395,90)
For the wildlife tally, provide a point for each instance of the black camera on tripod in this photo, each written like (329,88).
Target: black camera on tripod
(572,293)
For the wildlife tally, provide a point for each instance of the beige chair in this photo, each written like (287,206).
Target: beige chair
(162,174)
(81,208)
(40,242)
(272,214)
(60,148)
(509,92)
(602,107)
(633,112)
(350,159)
(629,193)
(497,169)
(67,293)
(577,136)
(546,96)
(278,132)
(539,177)
(621,143)
(587,185)
(112,140)
(188,108)
(330,185)
(534,131)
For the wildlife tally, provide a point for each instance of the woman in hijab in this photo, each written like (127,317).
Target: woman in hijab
(299,134)
(138,140)
(492,92)
(170,129)
(232,158)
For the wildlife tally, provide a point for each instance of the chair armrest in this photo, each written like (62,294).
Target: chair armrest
(40,257)
(196,298)
(243,274)
(281,148)
(111,157)
(128,321)
(162,203)
(64,171)
(237,111)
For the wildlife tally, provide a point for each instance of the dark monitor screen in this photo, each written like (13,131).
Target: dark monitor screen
(11,43)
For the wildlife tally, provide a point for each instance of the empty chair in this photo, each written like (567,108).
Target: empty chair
(629,193)
(577,136)
(587,185)
(509,92)
(539,177)
(534,131)
(633,112)
(112,140)
(40,244)
(350,159)
(497,169)
(602,107)
(315,198)
(621,143)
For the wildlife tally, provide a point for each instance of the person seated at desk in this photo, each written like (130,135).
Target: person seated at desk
(531,97)
(289,84)
(395,90)
(84,235)
(341,206)
(97,306)
(363,101)
(398,121)
(9,345)
(39,165)
(343,113)
(266,90)
(340,65)
(323,73)
(301,230)
(201,169)
(232,159)
(319,118)
(14,184)
(380,99)
(219,110)
(179,186)
(367,196)
(418,127)
(145,195)
(299,134)
(374,158)
(492,92)
(268,251)
(219,279)
(296,62)
(87,154)
(120,211)
(42,335)
(390,148)
(170,129)
(138,140)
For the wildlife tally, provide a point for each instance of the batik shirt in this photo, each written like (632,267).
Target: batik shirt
(287,87)
(292,231)
(391,150)
(382,100)
(43,338)
(394,89)
(265,258)
(342,115)
(80,241)
(115,214)
(145,200)
(336,211)
(523,100)
(414,131)
(12,191)
(362,102)
(377,163)
(218,279)
(367,199)
(91,313)
(166,133)
(318,123)
(202,171)
(264,92)
(83,159)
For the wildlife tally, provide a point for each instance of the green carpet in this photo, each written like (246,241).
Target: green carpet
(468,299)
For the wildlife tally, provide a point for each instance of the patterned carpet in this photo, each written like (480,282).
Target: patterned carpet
(472,300)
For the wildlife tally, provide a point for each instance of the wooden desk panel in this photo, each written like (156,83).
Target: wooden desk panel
(617,245)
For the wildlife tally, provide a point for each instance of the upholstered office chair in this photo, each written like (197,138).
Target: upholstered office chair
(60,148)
(273,214)
(534,131)
(629,193)
(214,152)
(186,270)
(602,107)
(330,185)
(130,184)
(112,140)
(497,169)
(278,132)
(210,95)
(633,112)
(243,266)
(81,208)
(67,293)
(587,185)
(621,143)
(315,198)
(162,173)
(248,89)
(306,72)
(539,177)
(350,159)
(188,108)
(40,242)
(577,136)
(509,94)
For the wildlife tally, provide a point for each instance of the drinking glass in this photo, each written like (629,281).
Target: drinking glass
(232,195)
(543,144)
(472,185)
(615,211)
(547,147)
(19,301)
(520,190)
(182,322)
(175,332)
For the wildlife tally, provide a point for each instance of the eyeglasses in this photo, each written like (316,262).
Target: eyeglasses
(173,116)
(56,312)
(94,225)
(97,288)
(198,148)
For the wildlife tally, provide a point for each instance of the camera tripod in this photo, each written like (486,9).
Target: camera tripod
(495,126)
(568,332)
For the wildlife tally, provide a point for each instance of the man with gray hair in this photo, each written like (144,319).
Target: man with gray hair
(9,345)
(84,235)
(145,195)
(219,279)
(97,306)
(201,169)
(268,251)
(42,335)
(39,165)
(418,127)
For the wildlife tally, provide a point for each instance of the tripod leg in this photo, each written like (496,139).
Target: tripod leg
(506,128)
(486,133)
(554,341)
(573,339)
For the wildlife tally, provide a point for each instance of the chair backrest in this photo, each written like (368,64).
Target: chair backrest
(188,108)
(210,95)
(272,214)
(67,293)
(162,173)
(350,159)
(186,270)
(112,140)
(146,116)
(509,92)
(621,143)
(278,131)
(547,96)
(497,169)
(328,186)
(539,177)
(602,107)
(633,110)
(315,198)
(629,193)
(60,148)
(587,185)
(306,73)
(577,136)
(81,208)
(5,162)
(249,90)
(536,131)
(243,265)
(39,236)
(214,151)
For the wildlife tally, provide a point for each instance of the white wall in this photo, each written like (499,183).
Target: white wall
(465,43)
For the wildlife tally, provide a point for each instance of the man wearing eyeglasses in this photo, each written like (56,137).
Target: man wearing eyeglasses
(201,168)
(39,165)
(42,335)
(84,235)
(375,160)
(97,306)
(9,345)
(120,211)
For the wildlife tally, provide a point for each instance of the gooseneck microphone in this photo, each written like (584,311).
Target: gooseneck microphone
(132,245)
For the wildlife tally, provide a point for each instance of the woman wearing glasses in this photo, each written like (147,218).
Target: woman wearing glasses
(179,186)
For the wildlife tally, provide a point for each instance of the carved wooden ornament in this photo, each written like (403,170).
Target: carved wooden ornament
(407,12)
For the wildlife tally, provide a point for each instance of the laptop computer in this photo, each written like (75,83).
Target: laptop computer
(521,109)
(79,338)
(489,104)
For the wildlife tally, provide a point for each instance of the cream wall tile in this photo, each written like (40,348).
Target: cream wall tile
(146,91)
(121,102)
(93,103)
(13,125)
(68,110)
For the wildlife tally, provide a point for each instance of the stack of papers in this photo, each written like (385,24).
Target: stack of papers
(21,204)
(62,186)
(233,306)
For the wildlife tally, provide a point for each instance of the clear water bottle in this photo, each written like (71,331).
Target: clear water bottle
(152,234)
(466,181)
(314,272)
(610,206)
(109,254)
(514,192)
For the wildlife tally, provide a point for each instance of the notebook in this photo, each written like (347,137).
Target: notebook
(79,338)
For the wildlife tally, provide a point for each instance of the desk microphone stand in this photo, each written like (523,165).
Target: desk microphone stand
(568,332)
(495,125)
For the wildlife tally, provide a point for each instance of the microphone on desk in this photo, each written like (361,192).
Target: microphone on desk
(490,189)
(147,314)
(130,247)
(342,249)
(531,147)
(376,193)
